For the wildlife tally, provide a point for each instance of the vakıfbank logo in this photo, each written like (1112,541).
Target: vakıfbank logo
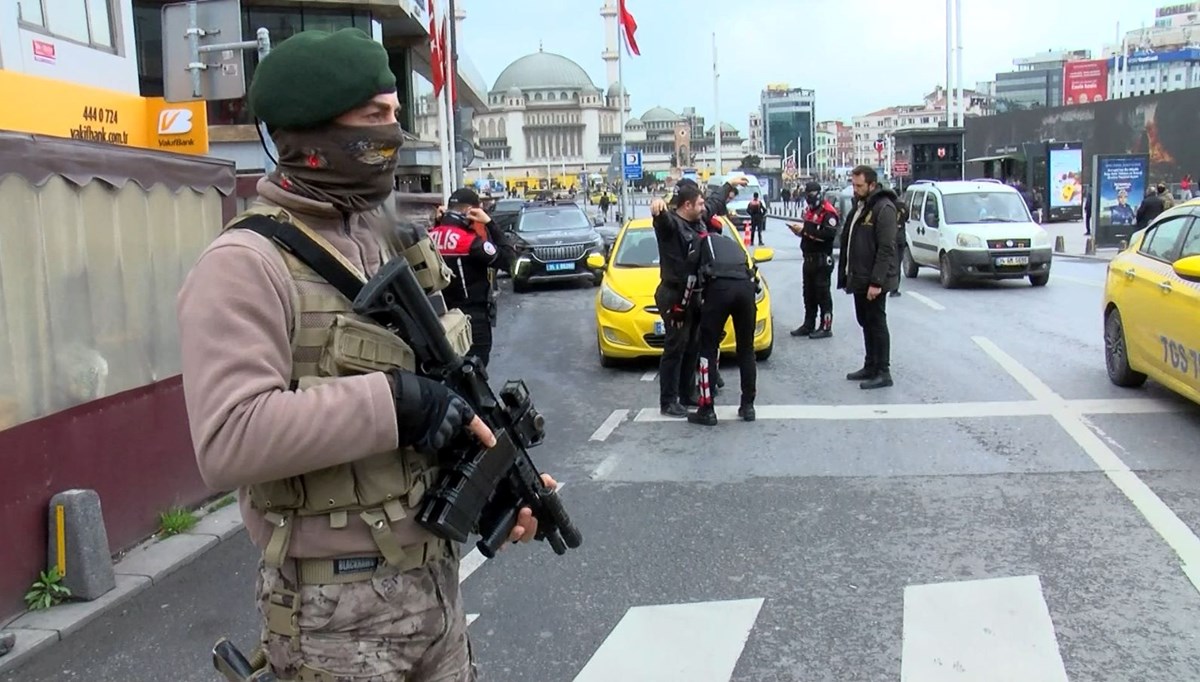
(174,121)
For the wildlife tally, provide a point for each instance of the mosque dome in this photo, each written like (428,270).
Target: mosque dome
(660,114)
(542,70)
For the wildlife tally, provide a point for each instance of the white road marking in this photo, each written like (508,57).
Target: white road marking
(605,467)
(471,618)
(695,642)
(469,564)
(994,630)
(993,408)
(925,299)
(650,376)
(610,424)
(1160,517)
(1077,280)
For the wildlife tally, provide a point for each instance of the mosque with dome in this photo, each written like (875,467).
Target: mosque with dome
(547,118)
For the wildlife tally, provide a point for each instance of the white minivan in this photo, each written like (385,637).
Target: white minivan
(973,230)
(740,204)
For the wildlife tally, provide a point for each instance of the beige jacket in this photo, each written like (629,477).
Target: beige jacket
(235,313)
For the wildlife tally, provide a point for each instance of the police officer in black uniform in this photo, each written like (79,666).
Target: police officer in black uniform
(817,236)
(465,236)
(727,285)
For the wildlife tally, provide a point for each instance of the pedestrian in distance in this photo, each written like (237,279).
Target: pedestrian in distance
(867,270)
(315,413)
(758,218)
(817,235)
(901,242)
(727,286)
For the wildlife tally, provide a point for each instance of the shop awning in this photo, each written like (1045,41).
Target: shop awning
(998,157)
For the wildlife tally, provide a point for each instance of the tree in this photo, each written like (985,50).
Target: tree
(751,162)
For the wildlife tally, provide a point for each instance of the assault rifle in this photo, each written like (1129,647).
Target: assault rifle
(482,489)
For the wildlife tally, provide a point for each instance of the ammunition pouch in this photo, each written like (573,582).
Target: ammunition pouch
(431,270)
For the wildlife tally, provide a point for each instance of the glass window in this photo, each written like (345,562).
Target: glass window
(100,22)
(931,209)
(566,218)
(985,207)
(68,19)
(1163,237)
(915,200)
(329,20)
(638,249)
(30,12)
(1191,245)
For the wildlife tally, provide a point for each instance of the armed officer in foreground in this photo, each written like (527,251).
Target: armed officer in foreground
(817,235)
(727,286)
(314,412)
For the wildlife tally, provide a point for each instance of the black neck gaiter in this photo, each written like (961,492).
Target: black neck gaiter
(351,167)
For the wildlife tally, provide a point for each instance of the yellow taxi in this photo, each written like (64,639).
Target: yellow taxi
(1152,305)
(628,324)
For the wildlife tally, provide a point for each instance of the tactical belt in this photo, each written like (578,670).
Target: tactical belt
(352,569)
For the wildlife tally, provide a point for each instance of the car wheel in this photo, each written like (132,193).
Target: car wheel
(1039,280)
(946,274)
(911,269)
(520,286)
(765,353)
(605,361)
(1116,353)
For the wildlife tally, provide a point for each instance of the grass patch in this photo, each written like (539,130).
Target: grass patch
(176,520)
(47,591)
(222,502)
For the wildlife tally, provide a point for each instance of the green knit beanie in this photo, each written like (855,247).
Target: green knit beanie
(313,77)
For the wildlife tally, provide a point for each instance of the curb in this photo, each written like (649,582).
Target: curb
(141,567)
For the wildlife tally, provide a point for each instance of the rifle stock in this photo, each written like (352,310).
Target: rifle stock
(482,489)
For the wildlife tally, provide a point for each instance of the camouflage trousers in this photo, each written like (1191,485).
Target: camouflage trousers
(395,627)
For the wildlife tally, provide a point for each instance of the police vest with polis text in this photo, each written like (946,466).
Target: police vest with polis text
(470,255)
(383,491)
(823,215)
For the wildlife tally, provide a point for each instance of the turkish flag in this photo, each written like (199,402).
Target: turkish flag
(448,58)
(630,27)
(436,64)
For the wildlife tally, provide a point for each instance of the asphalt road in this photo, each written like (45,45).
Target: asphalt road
(1003,512)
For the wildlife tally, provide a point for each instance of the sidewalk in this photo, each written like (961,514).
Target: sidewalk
(138,569)
(1074,241)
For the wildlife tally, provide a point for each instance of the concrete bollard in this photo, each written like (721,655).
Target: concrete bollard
(1060,244)
(1089,246)
(78,544)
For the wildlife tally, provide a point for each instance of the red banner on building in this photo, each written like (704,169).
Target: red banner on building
(1084,81)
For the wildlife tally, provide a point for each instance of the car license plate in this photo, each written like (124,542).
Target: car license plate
(659,328)
(560,266)
(1012,260)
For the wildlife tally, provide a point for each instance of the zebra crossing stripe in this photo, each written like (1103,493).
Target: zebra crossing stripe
(698,642)
(995,630)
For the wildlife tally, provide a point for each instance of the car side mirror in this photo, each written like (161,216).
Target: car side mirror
(595,261)
(1188,268)
(763,254)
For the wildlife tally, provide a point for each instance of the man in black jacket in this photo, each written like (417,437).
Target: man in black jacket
(675,229)
(1150,209)
(727,285)
(901,242)
(816,243)
(867,269)
(758,217)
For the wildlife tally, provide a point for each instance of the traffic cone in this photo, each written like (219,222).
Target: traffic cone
(747,236)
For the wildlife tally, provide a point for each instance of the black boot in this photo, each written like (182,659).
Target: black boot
(692,400)
(673,409)
(894,294)
(706,415)
(825,330)
(880,380)
(804,329)
(746,410)
(862,374)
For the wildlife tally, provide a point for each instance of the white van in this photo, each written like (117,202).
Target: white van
(740,203)
(972,230)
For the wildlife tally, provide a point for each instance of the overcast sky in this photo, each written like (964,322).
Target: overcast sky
(894,57)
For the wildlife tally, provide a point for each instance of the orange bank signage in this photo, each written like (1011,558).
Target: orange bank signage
(80,112)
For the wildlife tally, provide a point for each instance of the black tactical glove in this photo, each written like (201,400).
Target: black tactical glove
(428,415)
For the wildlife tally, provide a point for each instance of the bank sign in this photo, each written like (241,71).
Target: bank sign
(79,112)
(1191,54)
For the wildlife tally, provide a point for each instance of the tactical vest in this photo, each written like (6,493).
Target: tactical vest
(329,340)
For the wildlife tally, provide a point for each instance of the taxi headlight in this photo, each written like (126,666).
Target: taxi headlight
(613,301)
(1041,238)
(969,241)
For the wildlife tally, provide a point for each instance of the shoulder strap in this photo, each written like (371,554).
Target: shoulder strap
(308,247)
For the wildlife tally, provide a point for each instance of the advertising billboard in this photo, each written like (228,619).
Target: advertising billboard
(1064,186)
(1120,185)
(1084,81)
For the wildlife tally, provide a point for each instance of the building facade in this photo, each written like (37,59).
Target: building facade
(86,42)
(1148,72)
(1037,81)
(880,125)
(787,114)
(755,133)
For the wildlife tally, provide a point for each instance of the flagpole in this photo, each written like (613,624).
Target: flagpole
(452,65)
(621,117)
(716,105)
(444,120)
